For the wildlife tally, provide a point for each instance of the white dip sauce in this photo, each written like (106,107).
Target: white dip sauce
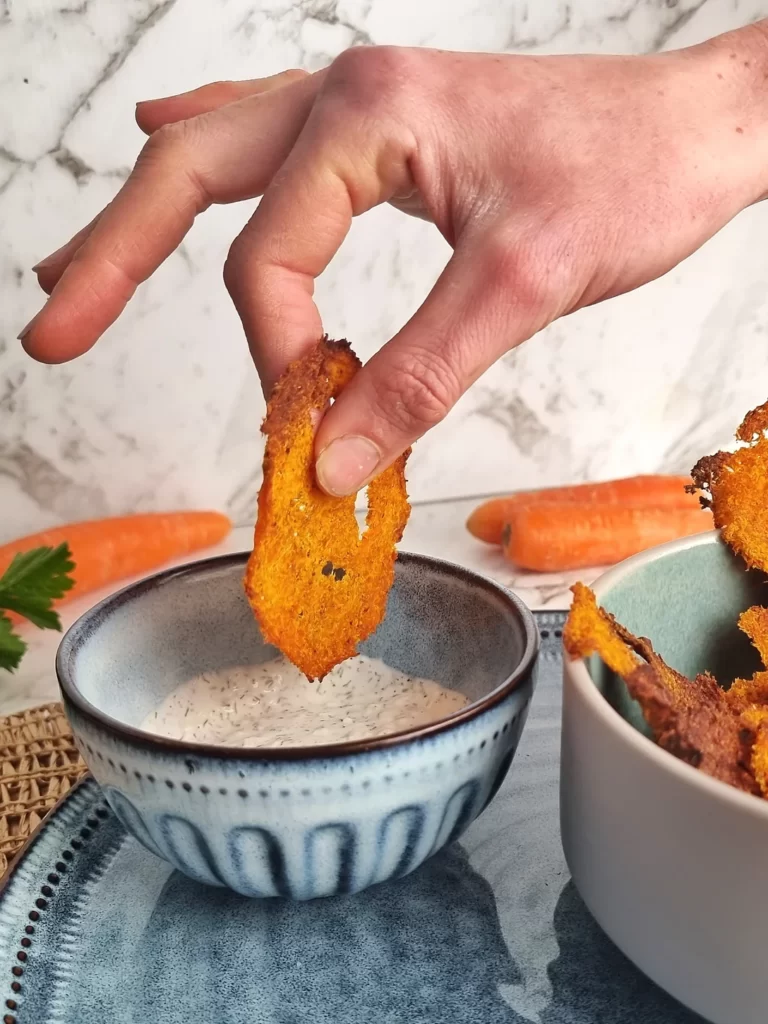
(274,705)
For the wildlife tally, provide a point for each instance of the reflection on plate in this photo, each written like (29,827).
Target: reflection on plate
(95,930)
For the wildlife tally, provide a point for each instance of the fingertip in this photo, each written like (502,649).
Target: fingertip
(47,276)
(148,115)
(39,346)
(32,347)
(52,337)
(155,113)
(24,333)
(30,342)
(346,465)
(139,117)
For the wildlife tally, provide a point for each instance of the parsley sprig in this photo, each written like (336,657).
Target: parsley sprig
(29,586)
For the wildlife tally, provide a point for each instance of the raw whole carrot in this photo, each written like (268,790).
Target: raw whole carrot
(106,550)
(487,520)
(546,537)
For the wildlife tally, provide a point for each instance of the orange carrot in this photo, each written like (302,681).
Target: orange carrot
(487,521)
(106,550)
(546,537)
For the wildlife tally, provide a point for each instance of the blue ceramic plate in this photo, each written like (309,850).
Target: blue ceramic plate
(95,930)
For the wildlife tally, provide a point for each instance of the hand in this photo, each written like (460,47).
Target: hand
(558,181)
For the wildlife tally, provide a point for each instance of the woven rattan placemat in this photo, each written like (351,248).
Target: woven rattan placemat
(39,763)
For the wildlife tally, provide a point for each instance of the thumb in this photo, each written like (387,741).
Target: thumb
(487,300)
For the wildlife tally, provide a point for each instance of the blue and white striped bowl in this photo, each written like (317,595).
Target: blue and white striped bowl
(298,822)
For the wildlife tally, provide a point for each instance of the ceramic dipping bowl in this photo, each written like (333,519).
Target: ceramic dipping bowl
(671,862)
(298,822)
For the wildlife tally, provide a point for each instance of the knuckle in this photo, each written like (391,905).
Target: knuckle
(292,75)
(530,273)
(218,94)
(168,139)
(232,271)
(174,151)
(220,90)
(367,76)
(418,392)
(248,279)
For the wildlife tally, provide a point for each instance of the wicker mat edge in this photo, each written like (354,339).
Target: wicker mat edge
(39,764)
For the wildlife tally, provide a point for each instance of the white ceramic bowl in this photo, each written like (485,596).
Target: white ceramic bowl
(672,863)
(299,822)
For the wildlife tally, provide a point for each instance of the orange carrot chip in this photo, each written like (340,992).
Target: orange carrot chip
(692,719)
(316,585)
(590,630)
(724,733)
(735,486)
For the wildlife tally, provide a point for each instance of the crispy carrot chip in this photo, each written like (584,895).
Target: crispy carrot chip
(724,733)
(590,630)
(744,693)
(754,622)
(700,728)
(749,697)
(317,587)
(735,486)
(756,719)
(692,719)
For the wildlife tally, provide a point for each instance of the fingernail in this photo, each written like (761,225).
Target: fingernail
(158,99)
(25,331)
(48,260)
(346,465)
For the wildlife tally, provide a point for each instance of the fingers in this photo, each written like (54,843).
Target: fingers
(272,265)
(153,114)
(340,167)
(487,300)
(222,156)
(50,269)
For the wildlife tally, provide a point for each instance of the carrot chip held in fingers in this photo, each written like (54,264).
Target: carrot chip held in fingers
(318,587)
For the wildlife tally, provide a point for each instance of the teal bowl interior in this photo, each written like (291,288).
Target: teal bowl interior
(687,601)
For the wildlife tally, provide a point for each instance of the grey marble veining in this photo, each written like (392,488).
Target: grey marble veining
(165,411)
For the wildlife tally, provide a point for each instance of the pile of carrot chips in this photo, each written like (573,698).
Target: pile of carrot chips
(721,732)
(317,585)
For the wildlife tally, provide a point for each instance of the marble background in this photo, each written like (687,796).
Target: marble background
(165,412)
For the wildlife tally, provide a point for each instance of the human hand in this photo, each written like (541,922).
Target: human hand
(558,181)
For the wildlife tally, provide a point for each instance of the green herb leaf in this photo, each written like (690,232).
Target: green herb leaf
(34,580)
(29,586)
(12,647)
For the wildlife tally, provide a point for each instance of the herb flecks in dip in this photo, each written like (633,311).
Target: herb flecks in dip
(274,705)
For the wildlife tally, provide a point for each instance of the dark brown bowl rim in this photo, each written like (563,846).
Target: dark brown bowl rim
(77,634)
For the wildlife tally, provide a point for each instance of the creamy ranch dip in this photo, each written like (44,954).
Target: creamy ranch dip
(274,705)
